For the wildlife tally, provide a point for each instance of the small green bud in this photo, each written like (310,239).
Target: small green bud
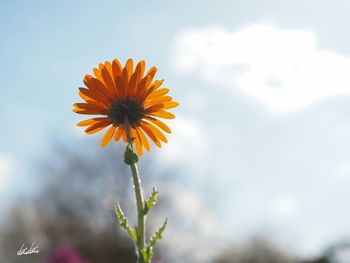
(129,156)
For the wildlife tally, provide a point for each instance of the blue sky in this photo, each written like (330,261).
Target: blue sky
(266,135)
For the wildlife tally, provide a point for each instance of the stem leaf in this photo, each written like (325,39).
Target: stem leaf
(151,202)
(123,222)
(158,234)
(147,254)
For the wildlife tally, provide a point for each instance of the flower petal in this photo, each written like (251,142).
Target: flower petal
(91,96)
(89,106)
(124,135)
(157,93)
(118,134)
(97,127)
(141,69)
(159,123)
(170,105)
(102,88)
(125,79)
(156,131)
(120,86)
(116,68)
(108,136)
(149,132)
(97,72)
(152,72)
(157,100)
(129,65)
(109,82)
(154,86)
(137,142)
(132,84)
(136,77)
(163,114)
(98,88)
(89,122)
(90,112)
(85,108)
(141,87)
(143,138)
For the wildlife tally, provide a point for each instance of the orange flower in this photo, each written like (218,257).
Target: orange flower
(127,100)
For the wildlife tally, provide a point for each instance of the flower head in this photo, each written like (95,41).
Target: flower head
(128,100)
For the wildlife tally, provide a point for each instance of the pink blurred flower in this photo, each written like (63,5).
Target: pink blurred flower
(65,254)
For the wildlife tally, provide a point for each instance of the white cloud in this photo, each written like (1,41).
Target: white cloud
(186,142)
(342,169)
(191,224)
(284,69)
(284,206)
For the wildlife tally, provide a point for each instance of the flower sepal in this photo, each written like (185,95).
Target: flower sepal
(130,157)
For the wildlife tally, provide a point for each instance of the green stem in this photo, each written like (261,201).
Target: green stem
(139,203)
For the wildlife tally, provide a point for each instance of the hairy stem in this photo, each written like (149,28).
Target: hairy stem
(139,203)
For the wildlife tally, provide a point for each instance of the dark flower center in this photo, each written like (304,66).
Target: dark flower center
(126,111)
